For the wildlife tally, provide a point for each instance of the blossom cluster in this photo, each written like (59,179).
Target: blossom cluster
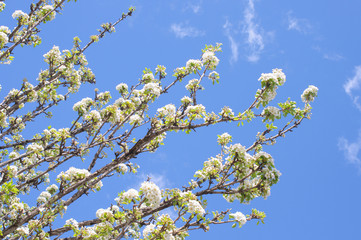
(270,83)
(127,197)
(73,174)
(309,94)
(271,113)
(195,207)
(239,217)
(210,60)
(224,139)
(212,168)
(151,193)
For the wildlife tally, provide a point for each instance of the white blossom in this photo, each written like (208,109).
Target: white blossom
(239,217)
(2,6)
(83,106)
(195,207)
(224,139)
(23,230)
(37,148)
(186,100)
(19,14)
(127,196)
(309,94)
(193,65)
(277,77)
(152,88)
(52,189)
(72,222)
(122,88)
(123,168)
(3,39)
(104,213)
(135,119)
(167,111)
(208,58)
(74,174)
(271,112)
(148,77)
(152,193)
(193,85)
(148,230)
(196,111)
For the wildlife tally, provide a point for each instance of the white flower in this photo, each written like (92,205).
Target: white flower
(278,74)
(2,6)
(239,217)
(52,188)
(193,65)
(37,148)
(224,139)
(44,197)
(83,106)
(195,207)
(148,230)
(167,111)
(14,155)
(54,55)
(193,85)
(23,230)
(152,88)
(196,111)
(5,29)
(148,77)
(122,88)
(277,77)
(73,174)
(72,222)
(227,112)
(152,193)
(208,58)
(135,119)
(186,100)
(237,149)
(114,208)
(94,116)
(19,14)
(123,168)
(309,94)
(271,113)
(127,196)
(104,213)
(3,39)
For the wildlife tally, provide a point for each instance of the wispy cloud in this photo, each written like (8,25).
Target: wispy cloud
(353,84)
(333,57)
(351,150)
(182,30)
(233,43)
(195,7)
(252,30)
(298,24)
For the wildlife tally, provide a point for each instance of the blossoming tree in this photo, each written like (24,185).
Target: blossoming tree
(104,129)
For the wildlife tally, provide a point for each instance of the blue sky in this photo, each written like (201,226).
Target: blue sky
(314,42)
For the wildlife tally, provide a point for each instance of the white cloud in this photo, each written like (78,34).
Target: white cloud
(181,30)
(354,84)
(252,30)
(298,24)
(333,57)
(234,45)
(195,7)
(351,150)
